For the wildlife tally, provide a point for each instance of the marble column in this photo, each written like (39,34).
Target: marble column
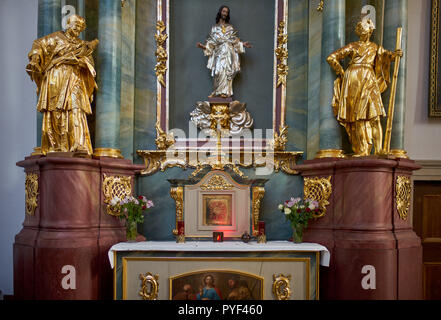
(49,21)
(128,78)
(333,38)
(108,102)
(81,7)
(145,82)
(297,87)
(395,16)
(314,63)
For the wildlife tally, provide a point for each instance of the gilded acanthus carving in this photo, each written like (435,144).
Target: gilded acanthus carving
(177,193)
(115,186)
(163,140)
(258,194)
(320,190)
(403,195)
(217,183)
(158,160)
(161,53)
(282,55)
(31,192)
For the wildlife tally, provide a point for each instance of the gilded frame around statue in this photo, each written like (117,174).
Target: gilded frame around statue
(435,72)
(280,69)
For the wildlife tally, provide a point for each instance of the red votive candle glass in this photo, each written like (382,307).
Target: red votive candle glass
(261,227)
(218,237)
(181,228)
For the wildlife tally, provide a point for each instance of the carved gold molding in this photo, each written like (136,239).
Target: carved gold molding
(115,186)
(403,195)
(434,108)
(401,154)
(31,193)
(108,152)
(282,54)
(217,183)
(318,189)
(282,287)
(161,52)
(177,193)
(149,286)
(330,153)
(258,194)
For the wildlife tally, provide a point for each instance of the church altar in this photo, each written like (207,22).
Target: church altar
(168,266)
(280,138)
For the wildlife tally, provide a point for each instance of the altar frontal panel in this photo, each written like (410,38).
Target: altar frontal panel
(140,276)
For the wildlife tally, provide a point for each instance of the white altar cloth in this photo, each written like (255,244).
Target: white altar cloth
(232,246)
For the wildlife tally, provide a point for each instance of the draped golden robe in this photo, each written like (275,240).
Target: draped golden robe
(357,95)
(65,78)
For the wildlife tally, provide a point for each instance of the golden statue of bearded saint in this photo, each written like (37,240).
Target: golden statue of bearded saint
(222,49)
(357,100)
(61,65)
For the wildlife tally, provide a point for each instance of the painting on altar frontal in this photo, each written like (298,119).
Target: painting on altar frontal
(217,210)
(216,285)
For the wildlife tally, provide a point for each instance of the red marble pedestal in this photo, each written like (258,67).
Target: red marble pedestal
(61,252)
(374,253)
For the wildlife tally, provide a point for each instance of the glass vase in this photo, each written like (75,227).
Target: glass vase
(131,231)
(297,234)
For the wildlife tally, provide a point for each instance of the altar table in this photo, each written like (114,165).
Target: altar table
(158,270)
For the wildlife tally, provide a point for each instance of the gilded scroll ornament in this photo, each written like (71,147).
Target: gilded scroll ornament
(357,101)
(217,183)
(163,140)
(177,193)
(161,53)
(31,192)
(258,194)
(320,190)
(157,160)
(116,186)
(403,195)
(280,139)
(282,54)
(149,286)
(321,5)
(61,64)
(282,287)
(234,116)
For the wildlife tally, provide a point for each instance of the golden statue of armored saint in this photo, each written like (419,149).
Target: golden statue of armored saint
(61,65)
(357,100)
(222,49)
